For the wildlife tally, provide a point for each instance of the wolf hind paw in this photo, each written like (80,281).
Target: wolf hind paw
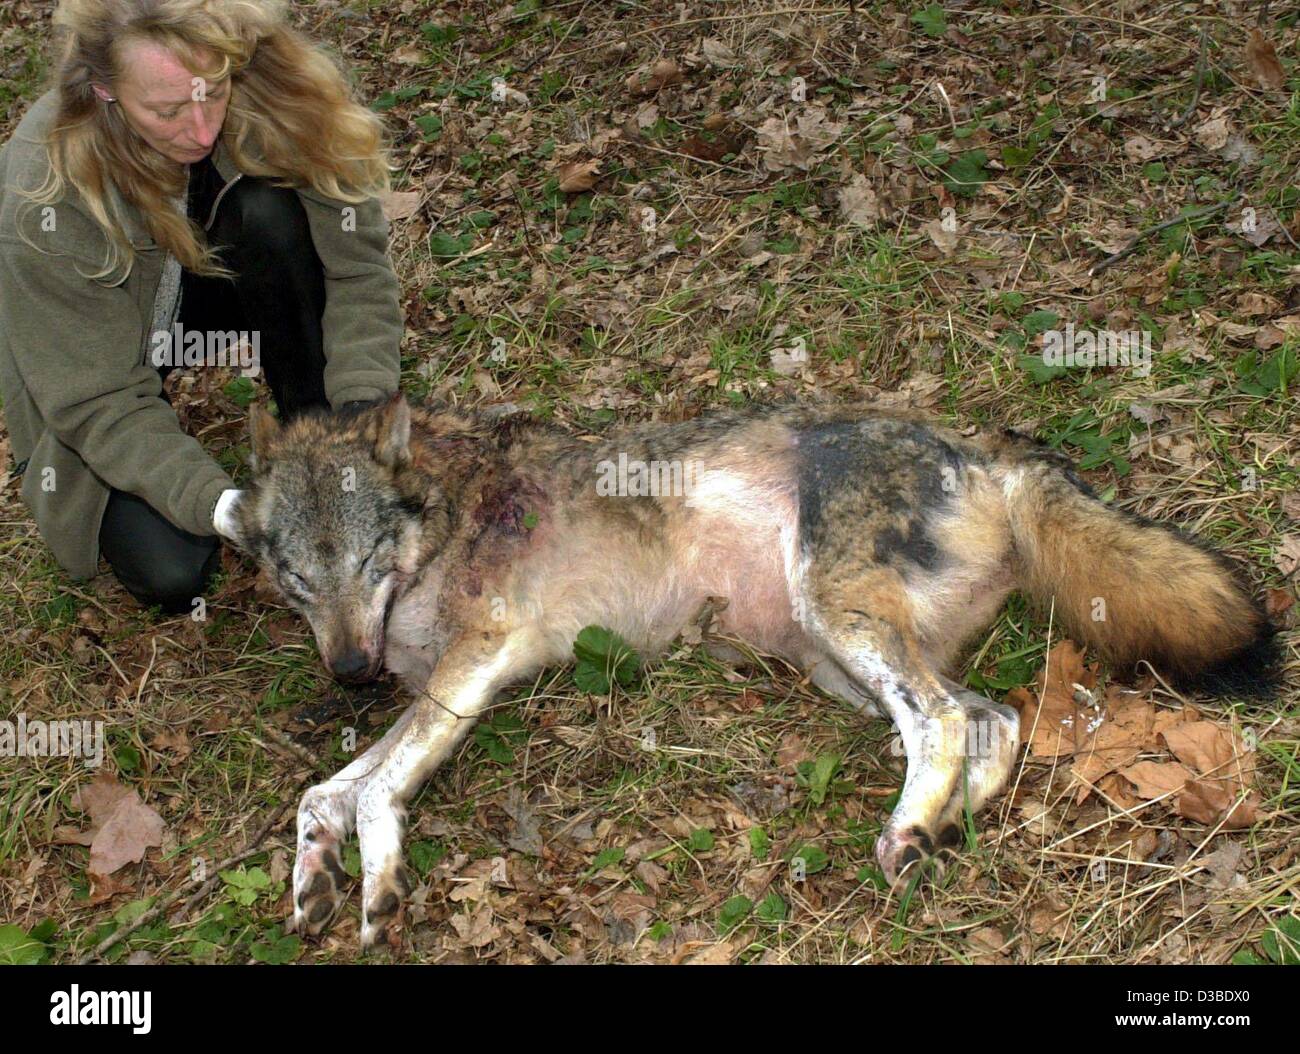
(993,745)
(903,852)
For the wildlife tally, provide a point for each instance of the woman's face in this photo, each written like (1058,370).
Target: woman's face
(175,112)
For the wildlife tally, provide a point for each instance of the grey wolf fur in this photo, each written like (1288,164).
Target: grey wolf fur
(464,554)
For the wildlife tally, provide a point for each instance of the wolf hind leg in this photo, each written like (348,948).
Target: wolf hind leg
(326,816)
(881,653)
(992,744)
(831,678)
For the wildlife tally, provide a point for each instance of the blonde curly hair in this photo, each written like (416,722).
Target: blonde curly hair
(291,115)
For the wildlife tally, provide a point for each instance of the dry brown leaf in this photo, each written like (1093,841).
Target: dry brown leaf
(1050,918)
(410,55)
(719,54)
(1262,61)
(646,115)
(1211,750)
(1138,148)
(399,204)
(100,799)
(664,73)
(174,742)
(1170,718)
(578,176)
(280,867)
(1224,864)
(130,831)
(1154,779)
(945,240)
(715,955)
(1239,148)
(789,362)
(1287,557)
(1264,227)
(476,930)
(1212,134)
(1254,304)
(1111,237)
(988,947)
(1118,791)
(1219,772)
(34,867)
(698,146)
(799,146)
(628,906)
(1269,337)
(122,827)
(1148,845)
(1055,732)
(791,751)
(651,874)
(1126,729)
(1207,801)
(105,887)
(858,203)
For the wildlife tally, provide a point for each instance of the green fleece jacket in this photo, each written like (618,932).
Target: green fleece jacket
(81,399)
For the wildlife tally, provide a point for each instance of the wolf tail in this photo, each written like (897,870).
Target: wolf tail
(1134,589)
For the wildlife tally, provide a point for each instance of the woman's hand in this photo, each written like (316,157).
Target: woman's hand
(223,516)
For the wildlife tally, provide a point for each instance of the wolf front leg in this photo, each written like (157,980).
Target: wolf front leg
(326,816)
(463,683)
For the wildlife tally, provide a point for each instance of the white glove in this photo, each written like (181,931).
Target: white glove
(223,516)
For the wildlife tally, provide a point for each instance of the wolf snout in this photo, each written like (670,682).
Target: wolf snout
(354,665)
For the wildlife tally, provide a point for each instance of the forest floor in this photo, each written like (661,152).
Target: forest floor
(617,211)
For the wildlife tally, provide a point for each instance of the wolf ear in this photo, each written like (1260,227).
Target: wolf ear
(393,436)
(265,430)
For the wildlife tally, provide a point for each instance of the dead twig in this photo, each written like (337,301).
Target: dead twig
(1146,232)
(1186,115)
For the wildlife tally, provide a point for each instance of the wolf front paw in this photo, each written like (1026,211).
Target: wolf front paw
(319,882)
(383,906)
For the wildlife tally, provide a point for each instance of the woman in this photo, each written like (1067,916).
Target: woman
(199,167)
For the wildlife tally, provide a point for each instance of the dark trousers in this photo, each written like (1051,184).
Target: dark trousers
(278,292)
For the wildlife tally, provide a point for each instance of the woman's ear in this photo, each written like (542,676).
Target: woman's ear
(103,93)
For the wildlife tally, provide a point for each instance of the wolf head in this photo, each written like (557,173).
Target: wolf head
(340,521)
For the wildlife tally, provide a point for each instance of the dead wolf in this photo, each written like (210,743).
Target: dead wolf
(464,553)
